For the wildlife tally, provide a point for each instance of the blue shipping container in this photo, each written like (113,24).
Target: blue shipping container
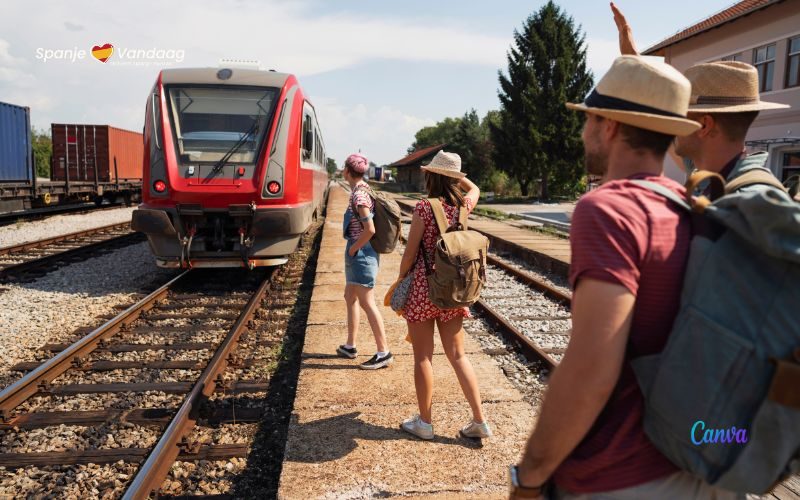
(15,143)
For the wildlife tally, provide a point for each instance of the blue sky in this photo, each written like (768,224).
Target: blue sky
(377,71)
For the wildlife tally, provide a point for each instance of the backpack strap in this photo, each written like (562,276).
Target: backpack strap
(754,177)
(438,214)
(663,191)
(463,216)
(716,184)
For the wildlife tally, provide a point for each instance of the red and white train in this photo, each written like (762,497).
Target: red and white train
(234,168)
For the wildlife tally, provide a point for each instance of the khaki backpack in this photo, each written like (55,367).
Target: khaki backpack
(386,220)
(459,271)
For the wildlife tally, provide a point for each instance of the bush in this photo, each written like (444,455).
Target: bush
(501,184)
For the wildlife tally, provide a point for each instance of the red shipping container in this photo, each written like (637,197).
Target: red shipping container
(82,150)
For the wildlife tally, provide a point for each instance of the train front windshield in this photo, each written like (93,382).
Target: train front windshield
(212,122)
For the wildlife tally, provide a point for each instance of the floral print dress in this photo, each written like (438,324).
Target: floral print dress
(418,306)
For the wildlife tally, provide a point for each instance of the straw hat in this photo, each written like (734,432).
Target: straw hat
(644,92)
(726,87)
(447,164)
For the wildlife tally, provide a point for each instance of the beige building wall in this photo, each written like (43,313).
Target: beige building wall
(775,24)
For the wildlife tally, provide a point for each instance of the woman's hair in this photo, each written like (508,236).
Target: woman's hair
(442,186)
(356,165)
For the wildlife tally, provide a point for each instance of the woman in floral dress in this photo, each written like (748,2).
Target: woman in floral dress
(444,180)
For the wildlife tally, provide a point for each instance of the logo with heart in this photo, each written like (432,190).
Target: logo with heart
(102,52)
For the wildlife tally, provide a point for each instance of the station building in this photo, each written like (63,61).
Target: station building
(766,34)
(409,175)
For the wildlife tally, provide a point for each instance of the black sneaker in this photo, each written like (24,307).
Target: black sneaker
(375,362)
(347,352)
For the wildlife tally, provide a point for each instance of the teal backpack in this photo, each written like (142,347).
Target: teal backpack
(722,400)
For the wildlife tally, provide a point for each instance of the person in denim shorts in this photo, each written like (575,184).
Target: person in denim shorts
(361,263)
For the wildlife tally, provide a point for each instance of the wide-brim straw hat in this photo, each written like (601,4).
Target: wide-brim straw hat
(644,92)
(726,87)
(447,164)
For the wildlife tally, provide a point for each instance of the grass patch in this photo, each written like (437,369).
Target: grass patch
(495,214)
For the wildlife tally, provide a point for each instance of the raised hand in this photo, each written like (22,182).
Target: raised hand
(626,44)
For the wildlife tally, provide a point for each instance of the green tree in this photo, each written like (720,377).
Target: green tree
(536,137)
(468,136)
(330,165)
(442,133)
(473,144)
(42,151)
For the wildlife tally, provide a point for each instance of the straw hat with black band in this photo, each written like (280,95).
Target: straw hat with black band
(447,164)
(643,92)
(726,87)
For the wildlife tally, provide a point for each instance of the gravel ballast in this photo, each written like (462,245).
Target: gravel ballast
(25,231)
(50,308)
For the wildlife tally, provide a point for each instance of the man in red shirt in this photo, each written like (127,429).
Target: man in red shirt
(629,252)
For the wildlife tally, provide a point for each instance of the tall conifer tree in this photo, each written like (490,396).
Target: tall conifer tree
(537,137)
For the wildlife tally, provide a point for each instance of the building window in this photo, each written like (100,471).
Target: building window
(764,61)
(791,164)
(793,63)
(734,57)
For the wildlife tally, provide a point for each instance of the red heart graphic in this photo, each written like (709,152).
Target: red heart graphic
(102,52)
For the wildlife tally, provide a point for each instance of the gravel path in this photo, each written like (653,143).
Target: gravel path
(21,232)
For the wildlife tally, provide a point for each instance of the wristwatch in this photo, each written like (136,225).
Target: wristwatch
(517,490)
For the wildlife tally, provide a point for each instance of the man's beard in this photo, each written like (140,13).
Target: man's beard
(596,163)
(683,148)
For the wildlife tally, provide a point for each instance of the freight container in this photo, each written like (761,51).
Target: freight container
(101,152)
(16,162)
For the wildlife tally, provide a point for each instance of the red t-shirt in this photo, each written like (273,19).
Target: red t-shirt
(623,233)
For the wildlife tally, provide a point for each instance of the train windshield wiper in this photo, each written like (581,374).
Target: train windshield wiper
(227,156)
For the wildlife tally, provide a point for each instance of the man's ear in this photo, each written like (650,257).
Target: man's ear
(709,126)
(610,128)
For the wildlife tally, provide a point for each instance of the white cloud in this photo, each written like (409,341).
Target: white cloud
(601,54)
(11,68)
(287,36)
(381,133)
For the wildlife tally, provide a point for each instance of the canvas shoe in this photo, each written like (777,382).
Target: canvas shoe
(375,362)
(475,430)
(347,352)
(417,427)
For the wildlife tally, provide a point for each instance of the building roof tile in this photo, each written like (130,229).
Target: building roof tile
(418,155)
(727,15)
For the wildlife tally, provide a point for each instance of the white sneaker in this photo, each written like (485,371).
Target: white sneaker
(417,427)
(475,430)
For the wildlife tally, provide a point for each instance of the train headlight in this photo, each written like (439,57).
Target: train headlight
(273,187)
(159,186)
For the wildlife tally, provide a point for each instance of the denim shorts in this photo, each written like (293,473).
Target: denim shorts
(362,268)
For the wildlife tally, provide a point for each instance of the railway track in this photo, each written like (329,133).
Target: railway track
(35,258)
(41,213)
(187,357)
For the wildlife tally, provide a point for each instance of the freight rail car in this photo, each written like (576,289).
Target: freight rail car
(105,163)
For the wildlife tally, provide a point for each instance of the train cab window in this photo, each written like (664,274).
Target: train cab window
(212,122)
(308,136)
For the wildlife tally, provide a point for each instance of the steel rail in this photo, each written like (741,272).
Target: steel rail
(18,392)
(550,291)
(64,237)
(528,347)
(154,470)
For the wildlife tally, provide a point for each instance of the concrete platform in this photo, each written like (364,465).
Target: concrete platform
(344,438)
